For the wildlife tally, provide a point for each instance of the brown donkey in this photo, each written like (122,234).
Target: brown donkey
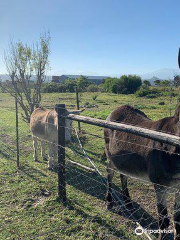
(145,159)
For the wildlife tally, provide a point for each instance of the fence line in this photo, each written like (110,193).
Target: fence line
(71,116)
(151,134)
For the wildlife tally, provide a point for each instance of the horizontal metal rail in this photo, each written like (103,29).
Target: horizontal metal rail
(143,132)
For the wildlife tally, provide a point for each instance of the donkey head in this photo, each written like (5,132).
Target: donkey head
(68,123)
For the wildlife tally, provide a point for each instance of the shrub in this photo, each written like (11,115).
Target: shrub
(161,103)
(148,92)
(94,97)
(69,85)
(142,92)
(53,87)
(92,88)
(146,83)
(126,84)
(110,85)
(82,83)
(129,84)
(152,96)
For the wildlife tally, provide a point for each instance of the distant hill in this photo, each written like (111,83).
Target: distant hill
(151,80)
(4,77)
(162,74)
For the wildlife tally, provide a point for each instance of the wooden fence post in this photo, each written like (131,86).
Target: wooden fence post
(60,109)
(77,103)
(17,135)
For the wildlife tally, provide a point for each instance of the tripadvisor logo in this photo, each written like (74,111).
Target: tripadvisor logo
(140,231)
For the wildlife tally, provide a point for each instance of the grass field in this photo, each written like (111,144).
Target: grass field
(28,204)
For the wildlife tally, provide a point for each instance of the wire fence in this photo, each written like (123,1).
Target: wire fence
(85,214)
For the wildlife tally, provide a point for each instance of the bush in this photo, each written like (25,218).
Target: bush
(92,88)
(69,85)
(161,103)
(151,96)
(110,85)
(94,97)
(148,92)
(125,84)
(53,87)
(142,92)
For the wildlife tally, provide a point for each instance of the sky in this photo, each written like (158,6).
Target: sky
(96,37)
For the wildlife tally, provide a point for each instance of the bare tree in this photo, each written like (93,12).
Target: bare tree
(27,67)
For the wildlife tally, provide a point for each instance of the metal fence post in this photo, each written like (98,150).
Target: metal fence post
(17,134)
(77,103)
(60,109)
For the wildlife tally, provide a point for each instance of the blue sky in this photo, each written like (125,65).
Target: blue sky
(104,37)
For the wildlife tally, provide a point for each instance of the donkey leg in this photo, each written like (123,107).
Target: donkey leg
(35,148)
(163,220)
(43,155)
(55,157)
(177,217)
(125,191)
(110,173)
(50,155)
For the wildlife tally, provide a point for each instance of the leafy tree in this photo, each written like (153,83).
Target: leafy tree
(125,84)
(157,82)
(92,88)
(69,85)
(110,84)
(131,83)
(53,87)
(146,83)
(166,83)
(176,81)
(22,63)
(82,83)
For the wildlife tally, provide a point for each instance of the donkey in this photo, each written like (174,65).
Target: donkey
(145,159)
(44,127)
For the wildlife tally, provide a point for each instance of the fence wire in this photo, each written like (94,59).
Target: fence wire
(85,215)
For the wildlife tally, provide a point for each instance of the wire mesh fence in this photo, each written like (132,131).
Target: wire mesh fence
(30,193)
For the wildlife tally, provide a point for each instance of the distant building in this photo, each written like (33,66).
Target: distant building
(94,79)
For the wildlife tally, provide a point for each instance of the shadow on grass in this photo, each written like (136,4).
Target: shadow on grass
(97,218)
(80,153)
(8,153)
(91,184)
(32,172)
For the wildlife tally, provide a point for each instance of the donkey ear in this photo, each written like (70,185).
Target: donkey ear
(179,58)
(177,114)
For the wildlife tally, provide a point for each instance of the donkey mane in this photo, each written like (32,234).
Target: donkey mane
(131,115)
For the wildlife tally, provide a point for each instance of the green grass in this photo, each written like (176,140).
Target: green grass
(28,205)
